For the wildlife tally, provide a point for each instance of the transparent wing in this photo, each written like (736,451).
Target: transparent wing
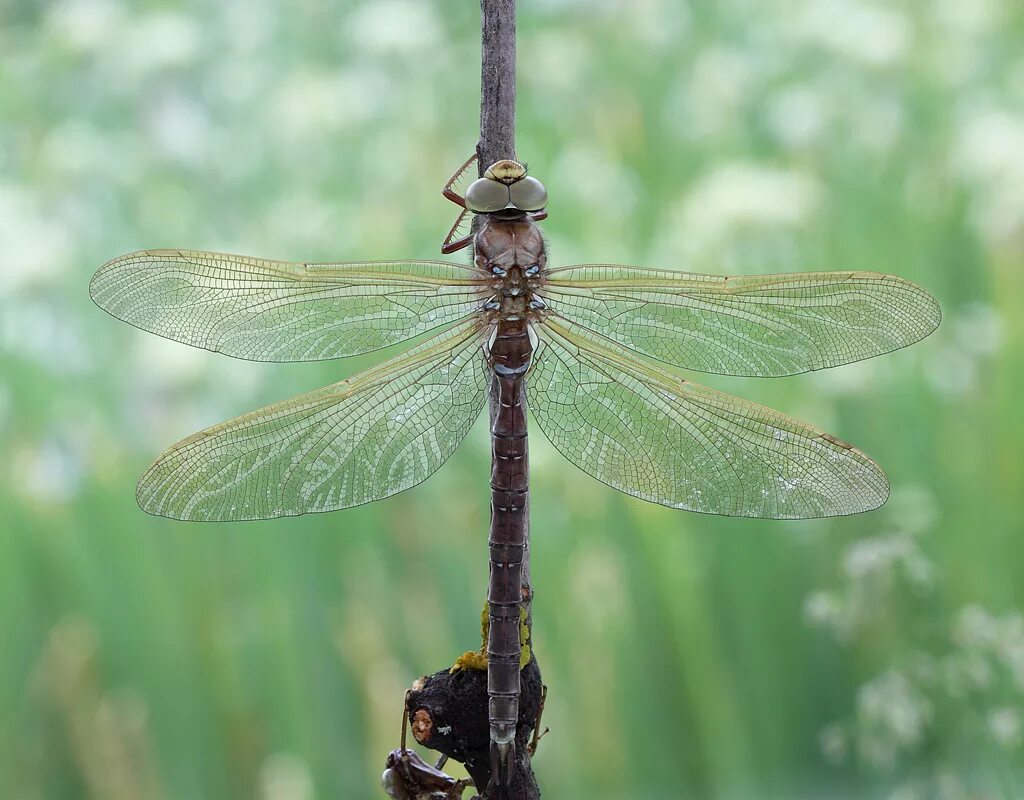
(655,436)
(363,439)
(759,325)
(276,311)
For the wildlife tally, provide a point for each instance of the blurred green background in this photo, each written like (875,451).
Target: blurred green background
(687,656)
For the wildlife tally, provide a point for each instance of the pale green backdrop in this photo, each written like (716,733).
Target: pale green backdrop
(880,656)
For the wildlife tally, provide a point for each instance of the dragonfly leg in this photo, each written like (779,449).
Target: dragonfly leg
(451,243)
(449,188)
(537,733)
(405,716)
(537,216)
(457,245)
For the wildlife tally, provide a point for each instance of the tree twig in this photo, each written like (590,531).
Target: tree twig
(455,704)
(497,82)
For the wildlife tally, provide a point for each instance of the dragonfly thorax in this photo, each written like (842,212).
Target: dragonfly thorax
(510,251)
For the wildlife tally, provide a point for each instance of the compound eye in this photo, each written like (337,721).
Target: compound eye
(485,195)
(528,194)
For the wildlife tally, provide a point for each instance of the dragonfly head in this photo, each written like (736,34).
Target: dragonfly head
(506,186)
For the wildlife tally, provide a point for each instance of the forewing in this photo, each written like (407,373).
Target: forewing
(758,325)
(363,439)
(656,436)
(277,311)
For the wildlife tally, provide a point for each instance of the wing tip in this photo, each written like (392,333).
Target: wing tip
(146,496)
(97,279)
(928,308)
(936,308)
(104,273)
(871,502)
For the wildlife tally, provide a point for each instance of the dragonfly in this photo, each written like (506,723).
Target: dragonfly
(594,350)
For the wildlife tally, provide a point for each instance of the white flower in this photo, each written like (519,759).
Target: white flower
(159,40)
(740,195)
(394,26)
(988,154)
(36,245)
(286,777)
(872,34)
(719,85)
(892,716)
(1004,725)
(827,610)
(974,627)
(50,472)
(798,116)
(86,24)
(881,554)
(834,743)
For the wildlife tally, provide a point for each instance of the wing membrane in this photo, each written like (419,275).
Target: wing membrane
(655,436)
(761,326)
(277,311)
(363,439)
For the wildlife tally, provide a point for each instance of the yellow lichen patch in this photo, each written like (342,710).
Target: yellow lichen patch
(471,659)
(505,171)
(477,659)
(524,639)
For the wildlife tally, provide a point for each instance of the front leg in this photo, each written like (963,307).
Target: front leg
(450,243)
(449,188)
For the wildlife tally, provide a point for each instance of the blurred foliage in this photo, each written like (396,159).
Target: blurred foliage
(687,656)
